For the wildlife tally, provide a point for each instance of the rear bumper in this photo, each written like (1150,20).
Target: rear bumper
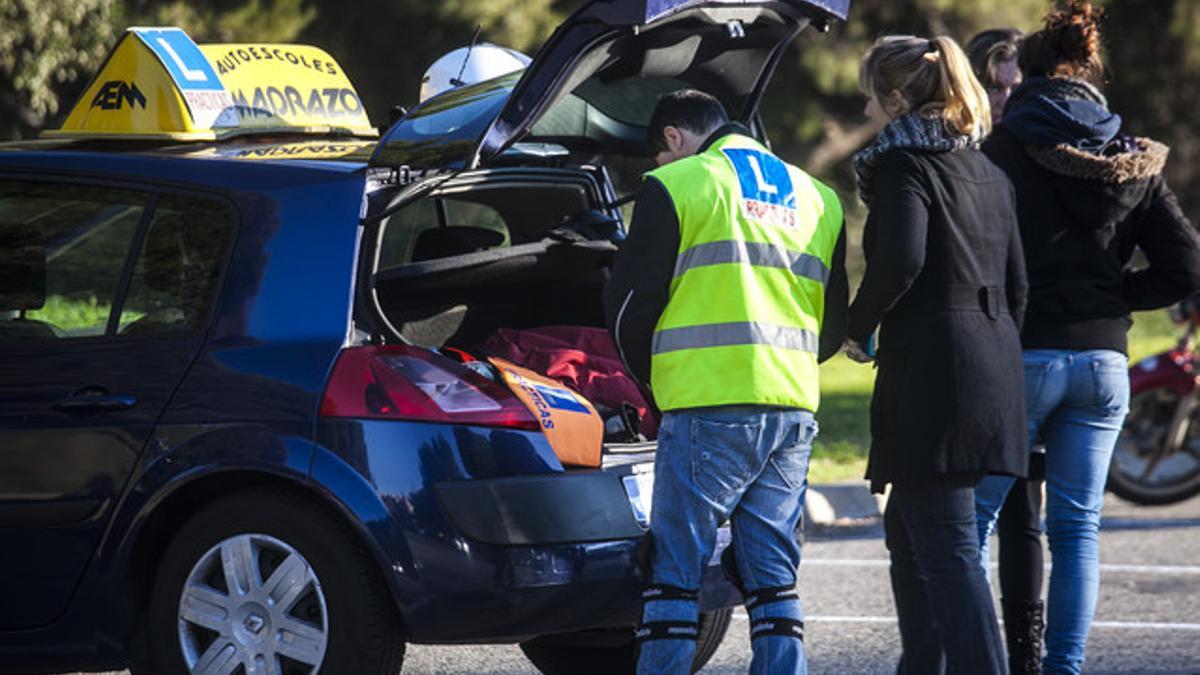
(544,509)
(541,590)
(484,537)
(560,552)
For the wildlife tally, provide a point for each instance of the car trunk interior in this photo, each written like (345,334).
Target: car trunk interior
(491,250)
(496,249)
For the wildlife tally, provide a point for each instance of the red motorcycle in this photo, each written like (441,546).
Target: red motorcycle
(1157,458)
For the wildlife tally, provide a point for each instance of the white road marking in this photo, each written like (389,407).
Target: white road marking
(879,562)
(1146,625)
(1151,569)
(740,614)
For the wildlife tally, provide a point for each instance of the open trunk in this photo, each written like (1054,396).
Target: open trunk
(515,248)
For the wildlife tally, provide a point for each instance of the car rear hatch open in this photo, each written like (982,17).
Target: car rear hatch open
(593,85)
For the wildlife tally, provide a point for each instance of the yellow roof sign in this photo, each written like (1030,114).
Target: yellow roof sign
(159,84)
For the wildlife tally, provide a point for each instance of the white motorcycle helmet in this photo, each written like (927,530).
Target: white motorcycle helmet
(469,65)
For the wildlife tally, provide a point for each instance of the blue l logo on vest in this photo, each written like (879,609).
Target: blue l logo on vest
(763,177)
(182,58)
(559,400)
(767,192)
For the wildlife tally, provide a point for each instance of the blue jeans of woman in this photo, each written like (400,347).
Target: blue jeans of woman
(1076,401)
(747,465)
(943,603)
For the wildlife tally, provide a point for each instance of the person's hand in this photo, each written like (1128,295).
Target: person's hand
(856,352)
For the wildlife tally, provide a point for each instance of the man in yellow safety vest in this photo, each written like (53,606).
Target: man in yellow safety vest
(729,290)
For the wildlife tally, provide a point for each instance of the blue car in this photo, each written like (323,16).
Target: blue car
(229,439)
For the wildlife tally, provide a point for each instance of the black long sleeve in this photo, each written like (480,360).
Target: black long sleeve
(1170,243)
(893,241)
(837,295)
(638,290)
(1017,282)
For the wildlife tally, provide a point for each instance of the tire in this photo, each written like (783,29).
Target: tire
(571,655)
(316,602)
(1142,471)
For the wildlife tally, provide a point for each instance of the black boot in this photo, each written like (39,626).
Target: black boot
(1023,626)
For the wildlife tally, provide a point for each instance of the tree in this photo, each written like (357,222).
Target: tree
(50,49)
(222,20)
(1154,82)
(46,48)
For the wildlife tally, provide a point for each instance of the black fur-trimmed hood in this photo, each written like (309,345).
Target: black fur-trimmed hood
(1145,161)
(1101,190)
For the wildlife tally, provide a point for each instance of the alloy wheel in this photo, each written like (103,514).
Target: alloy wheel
(253,605)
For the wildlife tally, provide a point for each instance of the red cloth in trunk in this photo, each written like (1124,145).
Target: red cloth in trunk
(585,359)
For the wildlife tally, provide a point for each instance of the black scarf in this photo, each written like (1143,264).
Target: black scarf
(914,131)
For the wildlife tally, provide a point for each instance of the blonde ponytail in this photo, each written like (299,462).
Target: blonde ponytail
(966,106)
(934,77)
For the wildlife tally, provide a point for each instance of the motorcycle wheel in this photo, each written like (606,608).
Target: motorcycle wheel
(1157,457)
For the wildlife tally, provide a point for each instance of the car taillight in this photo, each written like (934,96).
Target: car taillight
(398,382)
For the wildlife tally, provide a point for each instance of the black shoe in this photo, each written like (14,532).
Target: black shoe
(1023,626)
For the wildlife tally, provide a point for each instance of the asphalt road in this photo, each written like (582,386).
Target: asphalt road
(1148,620)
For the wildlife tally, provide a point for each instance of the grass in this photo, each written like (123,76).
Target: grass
(840,452)
(80,316)
(72,313)
(841,448)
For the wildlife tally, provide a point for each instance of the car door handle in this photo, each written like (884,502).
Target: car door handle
(91,401)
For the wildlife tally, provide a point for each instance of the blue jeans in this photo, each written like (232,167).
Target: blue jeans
(1076,401)
(747,465)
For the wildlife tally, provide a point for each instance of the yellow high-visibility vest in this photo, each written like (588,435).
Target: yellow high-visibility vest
(747,298)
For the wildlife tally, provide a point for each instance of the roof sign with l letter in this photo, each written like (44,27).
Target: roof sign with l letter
(159,84)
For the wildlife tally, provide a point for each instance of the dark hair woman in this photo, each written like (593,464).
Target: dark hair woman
(993,55)
(1087,196)
(945,285)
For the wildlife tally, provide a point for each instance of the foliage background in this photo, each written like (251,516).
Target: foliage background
(50,48)
(813,111)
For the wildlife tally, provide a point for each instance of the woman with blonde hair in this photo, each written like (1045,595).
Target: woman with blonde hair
(945,287)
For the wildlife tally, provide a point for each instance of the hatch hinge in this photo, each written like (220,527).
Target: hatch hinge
(401,175)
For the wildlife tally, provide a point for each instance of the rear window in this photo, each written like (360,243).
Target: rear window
(83,261)
(482,218)
(430,229)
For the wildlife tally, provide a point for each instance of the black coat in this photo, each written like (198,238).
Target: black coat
(1082,215)
(945,284)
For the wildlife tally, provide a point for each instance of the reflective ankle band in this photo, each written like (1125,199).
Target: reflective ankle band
(667,630)
(776,626)
(765,596)
(656,592)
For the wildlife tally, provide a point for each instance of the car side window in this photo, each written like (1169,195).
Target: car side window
(174,283)
(62,254)
(65,249)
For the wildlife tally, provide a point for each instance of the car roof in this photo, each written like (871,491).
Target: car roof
(167,167)
(333,154)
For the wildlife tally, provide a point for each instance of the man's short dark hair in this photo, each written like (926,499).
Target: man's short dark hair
(689,109)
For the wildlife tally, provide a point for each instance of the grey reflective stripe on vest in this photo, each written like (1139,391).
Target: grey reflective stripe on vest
(730,334)
(752,253)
